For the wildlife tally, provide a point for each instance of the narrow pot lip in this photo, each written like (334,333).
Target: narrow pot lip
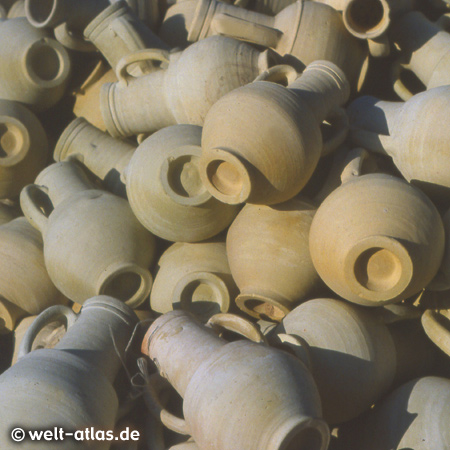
(372,33)
(49,19)
(17,157)
(64,64)
(67,137)
(378,297)
(140,296)
(266,298)
(216,155)
(95,27)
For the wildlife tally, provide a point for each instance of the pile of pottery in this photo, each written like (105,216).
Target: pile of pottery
(225,225)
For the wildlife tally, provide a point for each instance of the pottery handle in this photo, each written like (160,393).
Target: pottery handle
(400,89)
(436,325)
(237,324)
(353,164)
(147,54)
(32,200)
(56,313)
(340,126)
(298,345)
(242,29)
(281,74)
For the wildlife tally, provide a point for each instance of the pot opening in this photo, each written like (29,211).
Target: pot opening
(365,16)
(45,62)
(307,439)
(184,177)
(11,140)
(378,269)
(225,177)
(124,286)
(40,10)
(265,310)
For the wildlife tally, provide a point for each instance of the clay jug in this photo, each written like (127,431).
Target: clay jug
(75,378)
(101,154)
(7,213)
(24,281)
(376,239)
(228,386)
(165,190)
(261,235)
(23,148)
(117,32)
(414,416)
(425,50)
(309,31)
(93,244)
(194,277)
(262,142)
(35,68)
(410,133)
(178,94)
(87,96)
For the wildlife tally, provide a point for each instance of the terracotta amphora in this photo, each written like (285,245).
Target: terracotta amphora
(261,143)
(266,396)
(93,244)
(178,94)
(376,239)
(117,32)
(308,30)
(355,354)
(23,148)
(194,277)
(25,281)
(412,133)
(261,235)
(75,378)
(102,155)
(424,50)
(165,190)
(414,416)
(35,69)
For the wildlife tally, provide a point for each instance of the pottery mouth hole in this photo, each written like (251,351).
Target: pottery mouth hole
(200,298)
(265,310)
(11,140)
(307,439)
(40,10)
(45,62)
(365,15)
(378,269)
(124,286)
(225,177)
(184,177)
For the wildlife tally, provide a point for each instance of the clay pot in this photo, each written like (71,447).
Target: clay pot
(23,148)
(410,134)
(228,386)
(93,244)
(87,97)
(117,32)
(77,375)
(25,282)
(376,240)
(193,277)
(35,68)
(309,31)
(178,94)
(425,50)
(261,143)
(261,235)
(165,191)
(103,155)
(411,417)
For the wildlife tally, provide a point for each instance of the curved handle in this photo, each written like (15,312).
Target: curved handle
(148,54)
(400,89)
(57,313)
(281,74)
(237,324)
(340,125)
(298,345)
(437,326)
(379,47)
(353,164)
(33,198)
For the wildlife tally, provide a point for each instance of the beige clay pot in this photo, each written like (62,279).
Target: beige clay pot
(178,94)
(376,240)
(261,235)
(261,143)
(194,277)
(93,244)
